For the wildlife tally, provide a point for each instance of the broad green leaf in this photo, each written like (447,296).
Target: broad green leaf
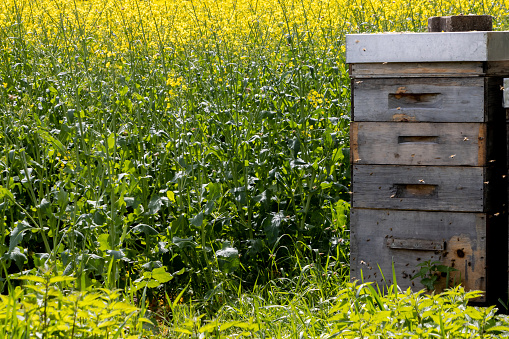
(152,283)
(17,234)
(209,207)
(161,275)
(17,256)
(148,230)
(337,155)
(184,243)
(214,191)
(154,205)
(228,258)
(197,220)
(116,254)
(474,313)
(104,241)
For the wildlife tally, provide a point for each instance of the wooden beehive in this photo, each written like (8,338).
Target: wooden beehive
(429,157)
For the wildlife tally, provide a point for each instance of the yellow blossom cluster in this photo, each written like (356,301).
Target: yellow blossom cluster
(112,26)
(317,100)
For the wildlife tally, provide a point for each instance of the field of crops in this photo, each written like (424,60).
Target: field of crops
(182,168)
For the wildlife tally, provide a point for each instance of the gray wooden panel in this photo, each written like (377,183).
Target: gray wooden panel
(460,240)
(416,69)
(419,188)
(393,143)
(419,99)
(427,47)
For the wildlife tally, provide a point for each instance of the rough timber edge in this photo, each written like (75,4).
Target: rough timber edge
(427,47)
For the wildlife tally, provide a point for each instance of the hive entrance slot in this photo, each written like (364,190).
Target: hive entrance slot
(421,191)
(418,140)
(415,100)
(415,244)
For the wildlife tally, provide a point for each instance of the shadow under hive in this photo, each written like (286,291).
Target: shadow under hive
(429,157)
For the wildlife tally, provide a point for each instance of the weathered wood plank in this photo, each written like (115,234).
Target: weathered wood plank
(443,144)
(427,47)
(419,100)
(497,68)
(420,188)
(460,23)
(454,239)
(417,69)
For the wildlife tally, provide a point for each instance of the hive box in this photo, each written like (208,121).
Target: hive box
(429,157)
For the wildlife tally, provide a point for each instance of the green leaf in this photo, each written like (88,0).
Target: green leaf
(209,207)
(210,327)
(214,191)
(184,243)
(116,254)
(104,241)
(17,234)
(18,257)
(148,230)
(111,143)
(197,220)
(498,329)
(182,330)
(32,278)
(5,193)
(44,206)
(152,283)
(61,279)
(161,275)
(273,229)
(337,155)
(52,140)
(474,313)
(154,205)
(298,163)
(294,145)
(228,258)
(214,291)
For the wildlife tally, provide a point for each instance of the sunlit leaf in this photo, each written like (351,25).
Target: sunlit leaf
(161,275)
(228,258)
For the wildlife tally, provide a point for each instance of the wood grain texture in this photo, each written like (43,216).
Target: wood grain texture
(442,144)
(416,69)
(396,187)
(427,47)
(419,100)
(454,239)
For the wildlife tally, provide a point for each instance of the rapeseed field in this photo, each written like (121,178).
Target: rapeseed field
(191,157)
